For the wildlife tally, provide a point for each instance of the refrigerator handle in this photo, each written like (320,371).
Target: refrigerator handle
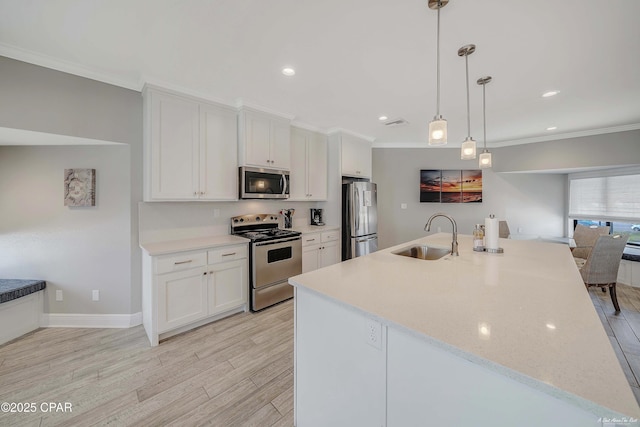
(356,210)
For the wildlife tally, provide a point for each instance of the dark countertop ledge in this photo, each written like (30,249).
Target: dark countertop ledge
(11,289)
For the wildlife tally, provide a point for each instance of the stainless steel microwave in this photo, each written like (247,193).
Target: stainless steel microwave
(259,183)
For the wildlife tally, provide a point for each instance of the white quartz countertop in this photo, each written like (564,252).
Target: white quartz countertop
(524,313)
(306,229)
(171,246)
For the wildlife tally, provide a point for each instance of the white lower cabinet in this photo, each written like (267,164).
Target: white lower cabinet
(223,292)
(188,289)
(320,250)
(182,298)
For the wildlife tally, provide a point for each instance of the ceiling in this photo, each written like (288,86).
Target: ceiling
(357,60)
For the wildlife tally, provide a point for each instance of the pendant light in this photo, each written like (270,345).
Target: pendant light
(468,150)
(485,157)
(438,126)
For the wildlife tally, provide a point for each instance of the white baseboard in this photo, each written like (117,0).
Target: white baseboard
(58,320)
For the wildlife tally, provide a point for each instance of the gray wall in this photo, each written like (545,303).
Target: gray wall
(597,151)
(533,204)
(34,223)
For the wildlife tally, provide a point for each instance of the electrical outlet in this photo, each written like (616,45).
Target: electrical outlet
(520,230)
(216,213)
(403,206)
(95,295)
(374,334)
(59,295)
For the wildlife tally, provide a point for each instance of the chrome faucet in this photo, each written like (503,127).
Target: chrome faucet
(454,242)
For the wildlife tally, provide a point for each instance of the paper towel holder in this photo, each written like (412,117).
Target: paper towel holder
(492,250)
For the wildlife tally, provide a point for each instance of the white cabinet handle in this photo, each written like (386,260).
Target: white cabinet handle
(311,240)
(183,262)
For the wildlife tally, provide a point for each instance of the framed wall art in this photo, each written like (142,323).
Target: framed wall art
(79,187)
(450,186)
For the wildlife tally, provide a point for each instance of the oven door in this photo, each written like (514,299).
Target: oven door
(258,183)
(276,260)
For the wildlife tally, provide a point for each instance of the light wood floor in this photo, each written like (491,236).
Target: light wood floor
(623,329)
(235,372)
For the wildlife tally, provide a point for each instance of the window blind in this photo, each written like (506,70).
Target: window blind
(605,198)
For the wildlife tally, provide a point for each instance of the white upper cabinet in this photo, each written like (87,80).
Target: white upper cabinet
(308,165)
(356,156)
(218,153)
(264,140)
(190,148)
(171,147)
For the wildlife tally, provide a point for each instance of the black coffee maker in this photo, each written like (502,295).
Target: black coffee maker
(316,217)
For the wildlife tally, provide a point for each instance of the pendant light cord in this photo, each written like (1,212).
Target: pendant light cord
(438,64)
(484,117)
(466,60)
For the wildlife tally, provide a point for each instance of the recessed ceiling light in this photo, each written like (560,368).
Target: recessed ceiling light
(550,93)
(552,128)
(383,118)
(288,71)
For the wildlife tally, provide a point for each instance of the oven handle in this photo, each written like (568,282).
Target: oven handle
(275,242)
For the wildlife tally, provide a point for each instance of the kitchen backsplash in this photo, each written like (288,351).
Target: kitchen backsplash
(161,221)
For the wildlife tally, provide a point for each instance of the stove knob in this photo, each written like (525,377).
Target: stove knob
(257,218)
(235,220)
(241,219)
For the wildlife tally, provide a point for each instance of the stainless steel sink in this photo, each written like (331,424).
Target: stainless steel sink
(425,252)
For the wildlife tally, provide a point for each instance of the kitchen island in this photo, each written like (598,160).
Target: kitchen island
(479,339)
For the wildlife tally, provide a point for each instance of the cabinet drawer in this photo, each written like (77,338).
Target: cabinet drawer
(330,236)
(227,253)
(311,239)
(181,261)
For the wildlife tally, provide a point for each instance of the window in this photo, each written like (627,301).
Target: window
(607,198)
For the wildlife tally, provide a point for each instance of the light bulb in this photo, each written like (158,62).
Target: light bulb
(468,149)
(438,131)
(485,160)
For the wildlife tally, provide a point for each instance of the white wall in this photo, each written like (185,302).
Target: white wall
(75,249)
(534,203)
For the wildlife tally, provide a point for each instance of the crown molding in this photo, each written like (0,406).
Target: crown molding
(348,132)
(511,142)
(242,104)
(12,136)
(66,67)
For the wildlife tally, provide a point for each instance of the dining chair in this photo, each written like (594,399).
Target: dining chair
(585,237)
(503,230)
(603,262)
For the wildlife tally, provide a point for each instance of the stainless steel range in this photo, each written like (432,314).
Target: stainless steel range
(275,255)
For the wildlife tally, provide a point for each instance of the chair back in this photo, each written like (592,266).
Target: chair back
(604,260)
(585,237)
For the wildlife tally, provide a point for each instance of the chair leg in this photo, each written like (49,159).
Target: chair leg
(614,296)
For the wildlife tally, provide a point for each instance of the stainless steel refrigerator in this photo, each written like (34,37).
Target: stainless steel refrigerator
(359,219)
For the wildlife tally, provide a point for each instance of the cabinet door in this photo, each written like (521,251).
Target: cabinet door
(182,298)
(257,136)
(310,258)
(298,171)
(174,147)
(227,286)
(317,167)
(218,153)
(280,144)
(329,254)
(356,157)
